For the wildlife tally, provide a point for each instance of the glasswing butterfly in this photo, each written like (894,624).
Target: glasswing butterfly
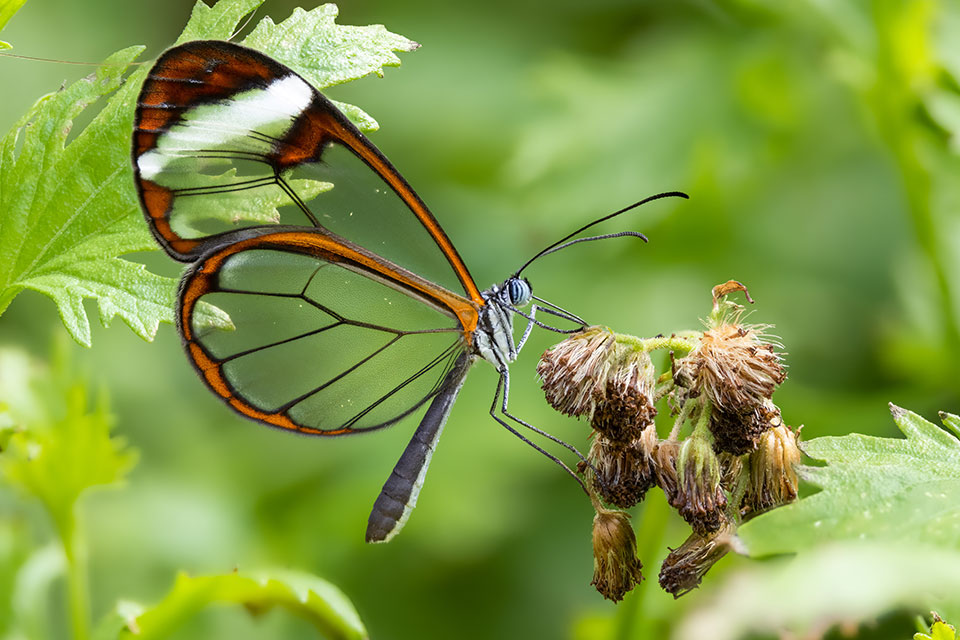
(352,307)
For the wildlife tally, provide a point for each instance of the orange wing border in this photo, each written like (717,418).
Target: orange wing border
(202,278)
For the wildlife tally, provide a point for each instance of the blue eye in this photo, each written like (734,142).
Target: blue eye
(519,291)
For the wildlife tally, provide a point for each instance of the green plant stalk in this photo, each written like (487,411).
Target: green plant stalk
(675,343)
(78,592)
(736,492)
(894,102)
(681,418)
(702,428)
(630,620)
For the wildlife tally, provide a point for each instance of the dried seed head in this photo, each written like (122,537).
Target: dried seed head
(624,471)
(731,466)
(773,478)
(737,433)
(700,498)
(626,406)
(574,372)
(685,566)
(734,364)
(665,468)
(616,568)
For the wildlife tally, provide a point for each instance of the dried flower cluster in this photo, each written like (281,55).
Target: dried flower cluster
(728,454)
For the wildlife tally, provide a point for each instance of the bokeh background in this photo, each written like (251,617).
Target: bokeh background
(816,143)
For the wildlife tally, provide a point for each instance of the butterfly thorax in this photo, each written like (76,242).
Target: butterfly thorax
(494,337)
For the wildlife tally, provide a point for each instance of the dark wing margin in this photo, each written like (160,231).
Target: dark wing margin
(207,110)
(330,338)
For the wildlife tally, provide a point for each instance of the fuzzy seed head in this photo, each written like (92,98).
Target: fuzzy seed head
(626,408)
(734,365)
(737,433)
(616,568)
(574,372)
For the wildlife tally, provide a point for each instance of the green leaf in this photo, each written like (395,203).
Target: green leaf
(358,116)
(68,211)
(939,631)
(57,462)
(217,22)
(846,583)
(7,10)
(309,597)
(324,52)
(122,617)
(877,489)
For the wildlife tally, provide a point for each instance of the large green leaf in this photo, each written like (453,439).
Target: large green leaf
(68,211)
(872,489)
(847,583)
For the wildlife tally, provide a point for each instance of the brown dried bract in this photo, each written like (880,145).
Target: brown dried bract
(616,568)
(773,476)
(624,470)
(685,566)
(626,407)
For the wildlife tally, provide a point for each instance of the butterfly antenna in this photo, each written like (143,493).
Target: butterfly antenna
(566,241)
(73,62)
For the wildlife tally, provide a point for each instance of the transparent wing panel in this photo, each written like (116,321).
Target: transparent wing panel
(327,346)
(361,207)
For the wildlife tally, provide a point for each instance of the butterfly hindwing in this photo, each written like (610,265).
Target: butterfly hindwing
(328,340)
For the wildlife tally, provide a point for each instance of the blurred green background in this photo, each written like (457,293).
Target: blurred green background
(816,143)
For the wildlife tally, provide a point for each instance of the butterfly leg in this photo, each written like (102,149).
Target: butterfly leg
(505,381)
(526,332)
(503,423)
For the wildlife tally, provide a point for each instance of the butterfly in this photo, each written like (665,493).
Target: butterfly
(352,308)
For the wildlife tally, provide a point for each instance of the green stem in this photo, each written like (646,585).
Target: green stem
(78,594)
(681,418)
(681,344)
(630,620)
(894,101)
(737,491)
(702,428)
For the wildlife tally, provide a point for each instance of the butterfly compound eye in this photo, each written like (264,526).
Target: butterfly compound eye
(519,291)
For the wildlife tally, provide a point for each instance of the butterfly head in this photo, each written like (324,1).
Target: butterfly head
(515,292)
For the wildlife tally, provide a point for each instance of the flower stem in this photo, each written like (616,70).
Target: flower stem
(681,418)
(630,621)
(77,588)
(678,343)
(702,428)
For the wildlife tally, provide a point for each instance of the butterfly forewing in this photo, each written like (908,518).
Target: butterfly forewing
(227,138)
